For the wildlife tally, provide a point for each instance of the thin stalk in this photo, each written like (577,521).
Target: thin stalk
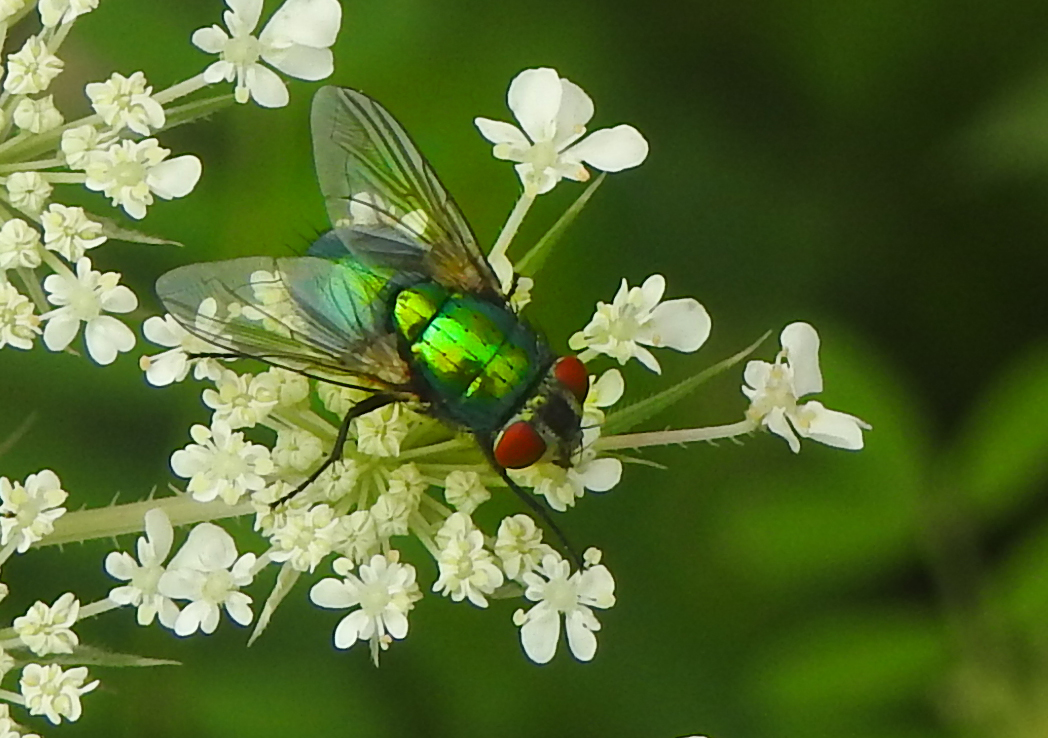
(676,437)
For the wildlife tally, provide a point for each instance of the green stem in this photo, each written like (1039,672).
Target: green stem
(675,437)
(180,89)
(118,520)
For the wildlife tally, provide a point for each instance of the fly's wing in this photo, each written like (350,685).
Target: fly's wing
(384,200)
(304,313)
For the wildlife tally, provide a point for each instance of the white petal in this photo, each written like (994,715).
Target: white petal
(682,324)
(159,331)
(777,424)
(539,636)
(600,475)
(802,350)
(238,605)
(168,612)
(580,638)
(60,331)
(756,374)
(349,629)
(159,532)
(831,427)
(309,22)
(534,97)
(120,565)
(212,40)
(607,390)
(208,548)
(646,358)
(119,300)
(106,336)
(576,109)
(650,292)
(175,177)
(500,132)
(248,12)
(611,149)
(396,623)
(180,584)
(218,71)
(123,595)
(267,89)
(332,593)
(303,62)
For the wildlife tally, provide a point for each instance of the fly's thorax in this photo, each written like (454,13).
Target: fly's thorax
(549,425)
(472,359)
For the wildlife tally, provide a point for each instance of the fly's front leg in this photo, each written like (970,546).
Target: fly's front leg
(361,408)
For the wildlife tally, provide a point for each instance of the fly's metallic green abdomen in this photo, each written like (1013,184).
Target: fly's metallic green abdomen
(476,358)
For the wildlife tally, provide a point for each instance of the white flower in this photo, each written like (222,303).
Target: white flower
(774,389)
(467,569)
(173,365)
(8,10)
(296,450)
(78,144)
(603,392)
(126,102)
(54,693)
(553,113)
(207,572)
(37,116)
(241,400)
(637,316)
(385,592)
(31,68)
(130,172)
(358,536)
(304,537)
(291,388)
(561,487)
(380,432)
(557,592)
(83,299)
(221,464)
(46,630)
(143,576)
(19,245)
(69,232)
(19,325)
(338,480)
(296,41)
(339,400)
(30,511)
(519,545)
(394,507)
(53,12)
(28,191)
(464,491)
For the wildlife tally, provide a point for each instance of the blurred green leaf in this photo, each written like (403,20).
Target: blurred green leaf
(630,416)
(1001,455)
(91,656)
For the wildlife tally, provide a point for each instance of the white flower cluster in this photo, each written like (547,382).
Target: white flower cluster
(115,152)
(28,513)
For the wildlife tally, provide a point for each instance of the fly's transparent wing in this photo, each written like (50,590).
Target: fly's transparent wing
(381,191)
(305,313)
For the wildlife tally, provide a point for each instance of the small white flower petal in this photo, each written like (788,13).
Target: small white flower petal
(777,424)
(683,325)
(801,342)
(174,177)
(600,475)
(267,89)
(106,336)
(831,427)
(534,97)
(312,23)
(611,149)
(539,635)
(211,40)
(506,134)
(302,62)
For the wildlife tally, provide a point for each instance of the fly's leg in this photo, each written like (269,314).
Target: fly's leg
(361,408)
(542,512)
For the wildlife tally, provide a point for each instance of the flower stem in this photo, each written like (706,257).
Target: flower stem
(674,437)
(180,89)
(116,520)
(497,257)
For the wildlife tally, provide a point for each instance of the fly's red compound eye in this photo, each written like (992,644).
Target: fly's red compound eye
(571,372)
(519,445)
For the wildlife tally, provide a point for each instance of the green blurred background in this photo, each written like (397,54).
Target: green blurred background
(879,169)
